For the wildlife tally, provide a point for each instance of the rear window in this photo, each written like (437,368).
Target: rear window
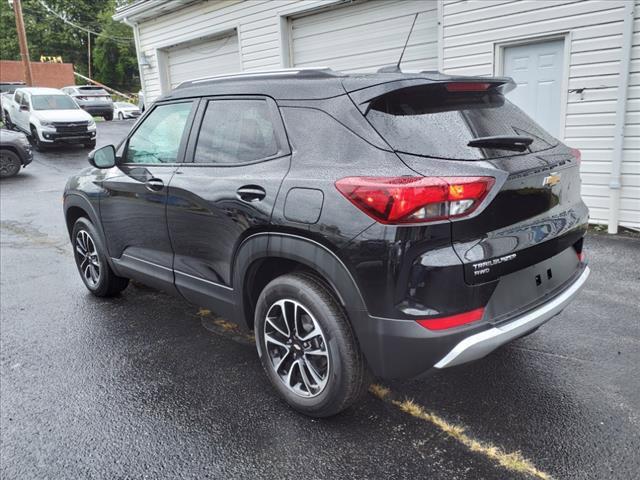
(93,90)
(432,122)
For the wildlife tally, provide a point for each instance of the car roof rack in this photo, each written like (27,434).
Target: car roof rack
(290,72)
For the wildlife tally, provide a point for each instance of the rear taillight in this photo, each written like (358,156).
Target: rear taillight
(467,87)
(399,200)
(452,321)
(577,154)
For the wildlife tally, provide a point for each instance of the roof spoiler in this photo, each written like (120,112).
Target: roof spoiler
(365,95)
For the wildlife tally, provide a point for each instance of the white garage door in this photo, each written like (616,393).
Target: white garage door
(366,36)
(537,69)
(203,58)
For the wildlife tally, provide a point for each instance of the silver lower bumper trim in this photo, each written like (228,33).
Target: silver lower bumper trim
(483,343)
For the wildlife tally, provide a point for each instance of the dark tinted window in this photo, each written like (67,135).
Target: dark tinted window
(8,88)
(236,131)
(430,121)
(157,139)
(92,90)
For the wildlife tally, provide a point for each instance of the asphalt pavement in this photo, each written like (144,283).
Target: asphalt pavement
(147,386)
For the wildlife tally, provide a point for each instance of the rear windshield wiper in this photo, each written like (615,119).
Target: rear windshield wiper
(504,142)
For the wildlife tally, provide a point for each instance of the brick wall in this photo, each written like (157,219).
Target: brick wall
(54,75)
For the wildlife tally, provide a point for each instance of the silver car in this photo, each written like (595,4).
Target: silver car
(92,99)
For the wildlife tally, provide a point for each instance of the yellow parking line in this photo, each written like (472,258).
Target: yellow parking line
(513,461)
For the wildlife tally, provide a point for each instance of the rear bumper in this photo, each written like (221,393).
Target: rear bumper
(479,345)
(404,349)
(98,109)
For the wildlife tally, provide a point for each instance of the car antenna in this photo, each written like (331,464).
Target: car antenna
(396,68)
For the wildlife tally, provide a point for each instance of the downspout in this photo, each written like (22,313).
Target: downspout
(440,41)
(615,182)
(136,39)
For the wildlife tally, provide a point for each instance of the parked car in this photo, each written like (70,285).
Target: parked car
(15,152)
(6,90)
(10,87)
(385,223)
(124,110)
(49,116)
(92,99)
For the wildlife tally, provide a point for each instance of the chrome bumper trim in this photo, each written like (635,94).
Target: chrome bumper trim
(483,343)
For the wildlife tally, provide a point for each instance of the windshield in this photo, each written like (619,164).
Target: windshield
(430,121)
(53,102)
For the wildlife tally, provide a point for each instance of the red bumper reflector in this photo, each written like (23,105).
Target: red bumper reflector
(443,323)
(582,256)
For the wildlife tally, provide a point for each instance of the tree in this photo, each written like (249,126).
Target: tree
(113,59)
(115,63)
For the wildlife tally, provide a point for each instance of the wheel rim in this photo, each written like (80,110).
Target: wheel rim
(8,166)
(88,260)
(297,348)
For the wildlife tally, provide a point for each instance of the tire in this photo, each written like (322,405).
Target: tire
(91,260)
(35,140)
(120,116)
(340,370)
(90,145)
(108,117)
(9,164)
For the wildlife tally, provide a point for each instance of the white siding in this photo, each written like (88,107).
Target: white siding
(364,36)
(630,194)
(263,32)
(471,30)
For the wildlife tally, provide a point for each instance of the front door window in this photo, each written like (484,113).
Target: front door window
(158,138)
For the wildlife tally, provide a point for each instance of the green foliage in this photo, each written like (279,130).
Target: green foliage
(113,60)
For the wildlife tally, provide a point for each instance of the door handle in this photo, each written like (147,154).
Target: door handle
(251,193)
(154,184)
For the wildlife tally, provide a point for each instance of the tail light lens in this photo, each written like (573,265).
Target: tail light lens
(452,321)
(399,200)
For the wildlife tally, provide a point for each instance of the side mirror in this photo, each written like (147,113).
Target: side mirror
(103,157)
(24,108)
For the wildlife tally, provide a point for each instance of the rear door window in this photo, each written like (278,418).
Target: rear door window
(236,131)
(430,121)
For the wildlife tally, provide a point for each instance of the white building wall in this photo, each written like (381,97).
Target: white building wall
(264,31)
(630,194)
(472,33)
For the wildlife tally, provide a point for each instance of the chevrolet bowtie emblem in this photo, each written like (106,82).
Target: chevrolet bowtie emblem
(551,180)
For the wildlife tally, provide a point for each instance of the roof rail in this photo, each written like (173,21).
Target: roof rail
(264,73)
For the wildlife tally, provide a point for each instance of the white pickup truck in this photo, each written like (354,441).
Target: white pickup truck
(48,116)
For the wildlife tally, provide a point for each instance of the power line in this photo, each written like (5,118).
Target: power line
(122,40)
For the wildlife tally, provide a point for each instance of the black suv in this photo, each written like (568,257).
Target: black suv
(384,223)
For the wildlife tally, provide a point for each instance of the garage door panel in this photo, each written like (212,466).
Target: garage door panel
(381,28)
(310,50)
(204,58)
(371,11)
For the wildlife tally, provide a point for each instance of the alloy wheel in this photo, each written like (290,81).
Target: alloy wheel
(88,259)
(297,348)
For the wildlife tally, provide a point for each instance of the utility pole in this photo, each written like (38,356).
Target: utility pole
(22,39)
(89,53)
